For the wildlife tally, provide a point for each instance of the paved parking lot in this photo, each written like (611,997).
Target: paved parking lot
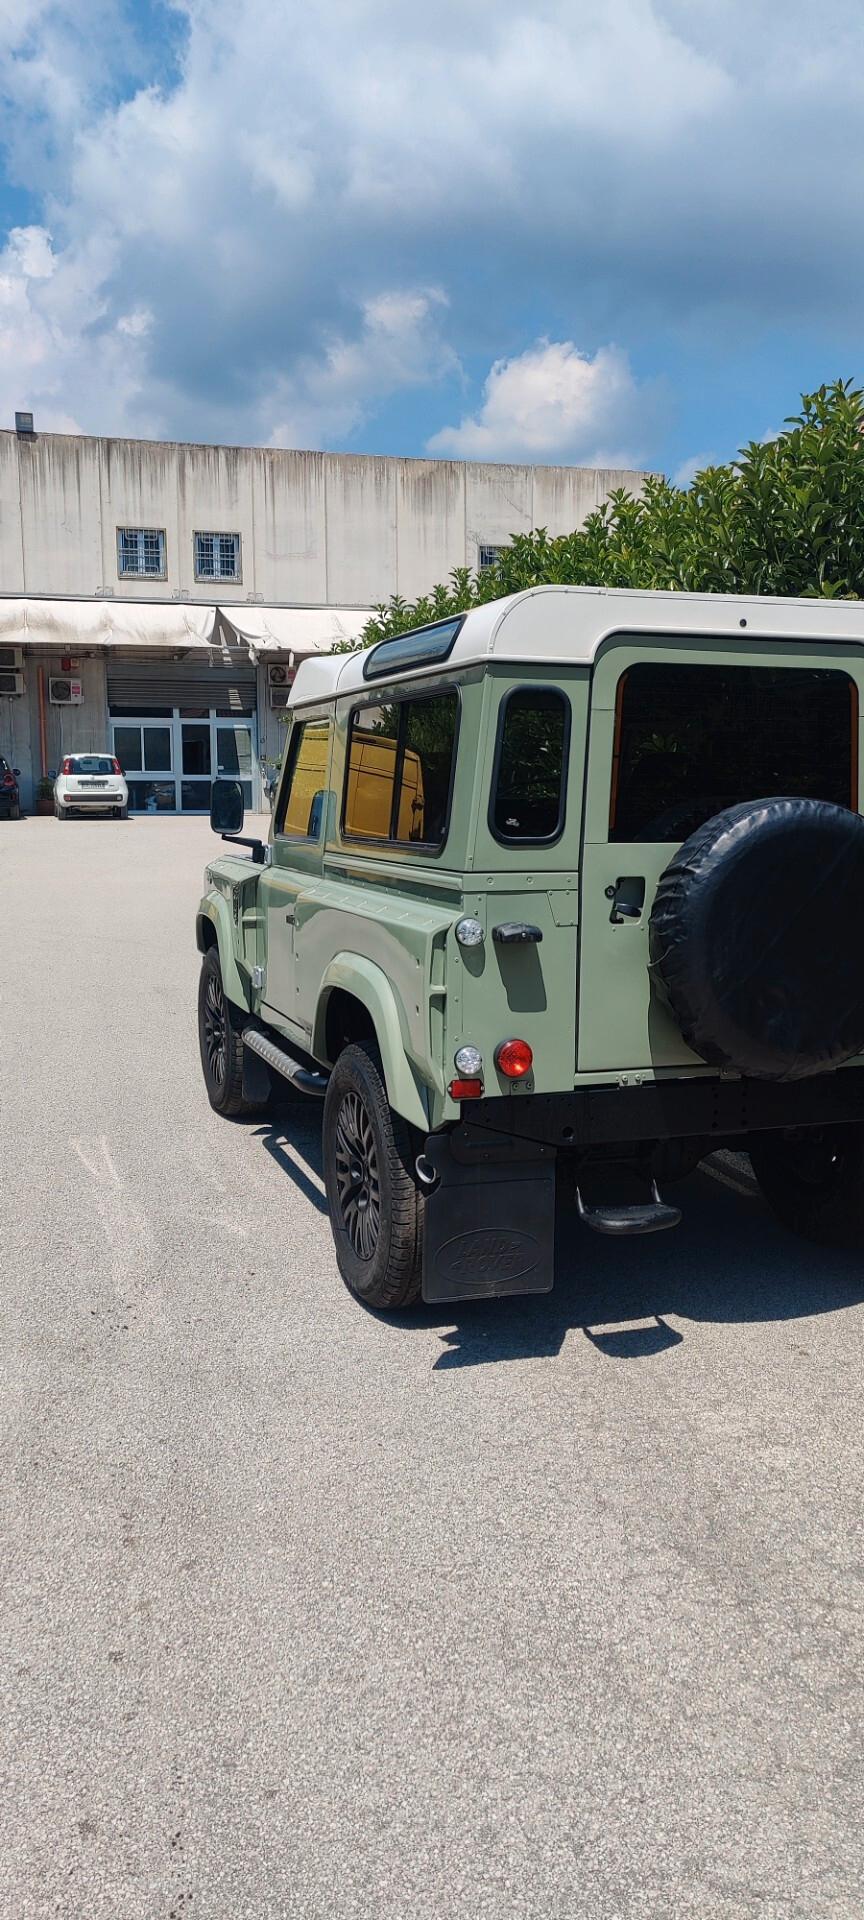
(550,1608)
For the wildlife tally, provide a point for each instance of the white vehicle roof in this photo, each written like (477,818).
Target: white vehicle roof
(558,624)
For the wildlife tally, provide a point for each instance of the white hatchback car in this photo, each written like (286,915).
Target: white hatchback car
(90,783)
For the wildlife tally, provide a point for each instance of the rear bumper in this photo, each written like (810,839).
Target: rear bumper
(671,1110)
(92,803)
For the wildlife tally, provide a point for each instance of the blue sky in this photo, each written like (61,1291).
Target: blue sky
(621,235)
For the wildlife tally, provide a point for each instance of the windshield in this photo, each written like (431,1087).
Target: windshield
(91,763)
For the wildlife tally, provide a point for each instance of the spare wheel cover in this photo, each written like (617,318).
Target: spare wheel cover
(757,938)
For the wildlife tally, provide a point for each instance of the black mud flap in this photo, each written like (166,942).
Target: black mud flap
(490,1220)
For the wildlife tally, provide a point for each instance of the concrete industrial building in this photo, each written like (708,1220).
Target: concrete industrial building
(156,597)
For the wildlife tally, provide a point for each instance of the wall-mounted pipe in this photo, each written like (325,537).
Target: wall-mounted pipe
(43,734)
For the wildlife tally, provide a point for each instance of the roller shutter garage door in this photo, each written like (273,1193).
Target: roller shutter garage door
(140,685)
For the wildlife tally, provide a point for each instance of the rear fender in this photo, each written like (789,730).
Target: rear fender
(368,984)
(214,916)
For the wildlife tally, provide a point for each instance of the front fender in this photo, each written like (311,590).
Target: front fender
(214,912)
(368,984)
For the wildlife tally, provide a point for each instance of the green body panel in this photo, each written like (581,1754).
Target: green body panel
(229,906)
(408,1092)
(376,920)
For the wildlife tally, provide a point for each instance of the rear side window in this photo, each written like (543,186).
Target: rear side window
(529,778)
(691,740)
(399,770)
(301,803)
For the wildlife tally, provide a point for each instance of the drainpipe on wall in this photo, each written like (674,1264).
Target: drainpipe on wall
(43,738)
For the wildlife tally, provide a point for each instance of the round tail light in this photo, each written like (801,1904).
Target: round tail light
(514,1058)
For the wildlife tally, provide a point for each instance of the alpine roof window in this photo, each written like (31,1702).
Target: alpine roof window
(426,647)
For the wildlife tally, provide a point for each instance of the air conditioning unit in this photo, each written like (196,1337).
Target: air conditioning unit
(280,680)
(65,693)
(12,657)
(11,684)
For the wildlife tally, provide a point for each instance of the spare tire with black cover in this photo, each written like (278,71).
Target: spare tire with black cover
(757,938)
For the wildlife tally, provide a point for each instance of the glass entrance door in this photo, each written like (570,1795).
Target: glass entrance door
(234,754)
(196,764)
(170,761)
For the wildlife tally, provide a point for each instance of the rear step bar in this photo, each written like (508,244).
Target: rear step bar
(284,1063)
(650,1217)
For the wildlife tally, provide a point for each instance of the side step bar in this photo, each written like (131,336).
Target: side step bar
(284,1063)
(651,1217)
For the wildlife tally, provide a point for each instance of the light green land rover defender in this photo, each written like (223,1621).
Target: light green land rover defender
(570,888)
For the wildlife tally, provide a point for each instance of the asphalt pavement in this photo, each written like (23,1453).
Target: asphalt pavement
(543,1608)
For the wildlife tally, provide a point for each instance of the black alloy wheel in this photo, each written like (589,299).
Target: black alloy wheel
(357,1181)
(214,1027)
(375,1203)
(219,1040)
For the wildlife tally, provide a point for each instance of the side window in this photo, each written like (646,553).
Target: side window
(530,774)
(399,771)
(301,803)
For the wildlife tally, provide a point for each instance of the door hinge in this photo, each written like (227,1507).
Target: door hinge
(258,978)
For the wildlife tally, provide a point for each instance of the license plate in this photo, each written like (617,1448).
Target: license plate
(96,783)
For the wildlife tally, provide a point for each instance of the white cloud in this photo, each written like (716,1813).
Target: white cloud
(398,346)
(56,341)
(647,163)
(554,403)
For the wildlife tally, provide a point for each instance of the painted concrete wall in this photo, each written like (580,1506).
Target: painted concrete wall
(68,729)
(316,529)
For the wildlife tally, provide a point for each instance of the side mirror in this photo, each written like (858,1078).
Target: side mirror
(226,806)
(17,772)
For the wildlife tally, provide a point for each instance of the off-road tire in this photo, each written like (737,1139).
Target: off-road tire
(219,1042)
(813,1180)
(379,1238)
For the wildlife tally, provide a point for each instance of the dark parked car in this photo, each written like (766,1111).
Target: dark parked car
(10,798)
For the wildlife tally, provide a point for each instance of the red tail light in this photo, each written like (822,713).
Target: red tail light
(117,767)
(465,1089)
(8,779)
(67,766)
(514,1058)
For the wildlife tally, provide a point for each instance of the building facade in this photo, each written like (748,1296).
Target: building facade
(171,589)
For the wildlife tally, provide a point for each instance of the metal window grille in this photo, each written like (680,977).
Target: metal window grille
(487,556)
(217,556)
(141,551)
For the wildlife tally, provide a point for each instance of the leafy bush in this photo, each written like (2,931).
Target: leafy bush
(786,517)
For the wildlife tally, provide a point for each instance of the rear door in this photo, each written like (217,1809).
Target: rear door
(676,735)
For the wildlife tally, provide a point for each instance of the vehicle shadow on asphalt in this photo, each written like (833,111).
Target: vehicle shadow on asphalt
(729,1261)
(293,1139)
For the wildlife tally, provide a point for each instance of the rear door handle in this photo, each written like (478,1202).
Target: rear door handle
(627,897)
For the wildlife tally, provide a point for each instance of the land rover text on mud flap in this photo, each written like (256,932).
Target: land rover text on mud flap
(571,886)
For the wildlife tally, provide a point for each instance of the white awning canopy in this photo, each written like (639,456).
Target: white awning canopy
(76,624)
(299,630)
(177,626)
